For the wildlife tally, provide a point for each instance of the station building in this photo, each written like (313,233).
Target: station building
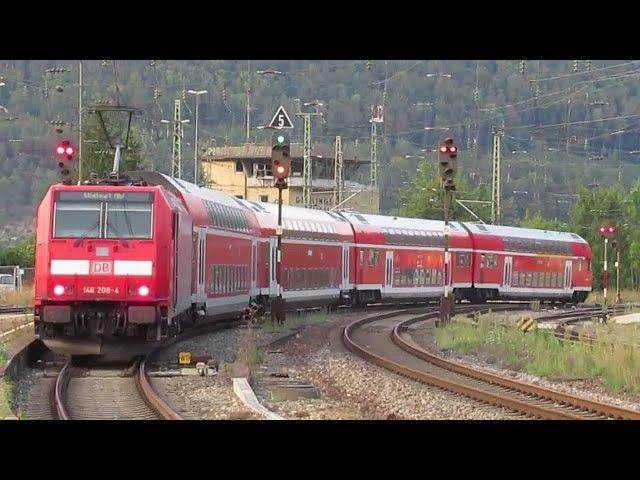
(245,172)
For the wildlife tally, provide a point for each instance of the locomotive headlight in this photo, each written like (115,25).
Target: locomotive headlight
(58,290)
(143,291)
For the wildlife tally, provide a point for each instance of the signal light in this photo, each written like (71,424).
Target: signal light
(65,151)
(608,231)
(280,161)
(448,154)
(143,291)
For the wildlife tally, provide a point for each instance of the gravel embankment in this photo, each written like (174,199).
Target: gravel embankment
(353,388)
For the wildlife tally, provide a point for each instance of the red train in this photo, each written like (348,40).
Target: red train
(125,265)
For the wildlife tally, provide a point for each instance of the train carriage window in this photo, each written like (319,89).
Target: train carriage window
(536,279)
(529,279)
(483,260)
(514,279)
(361,256)
(427,276)
(439,278)
(236,278)
(561,280)
(463,259)
(373,257)
(579,265)
(554,279)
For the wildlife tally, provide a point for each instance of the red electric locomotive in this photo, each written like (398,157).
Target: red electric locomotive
(125,264)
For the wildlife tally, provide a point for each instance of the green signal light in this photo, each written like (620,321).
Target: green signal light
(280,138)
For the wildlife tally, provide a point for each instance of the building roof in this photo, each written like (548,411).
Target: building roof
(251,150)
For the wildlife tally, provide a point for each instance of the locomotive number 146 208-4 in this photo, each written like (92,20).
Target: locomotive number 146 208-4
(100,290)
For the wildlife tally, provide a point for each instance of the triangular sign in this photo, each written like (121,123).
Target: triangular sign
(281,119)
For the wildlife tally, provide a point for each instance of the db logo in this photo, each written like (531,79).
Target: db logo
(101,268)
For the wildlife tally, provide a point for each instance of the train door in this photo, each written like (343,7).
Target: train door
(345,267)
(567,274)
(388,271)
(506,274)
(202,265)
(175,223)
(254,265)
(273,264)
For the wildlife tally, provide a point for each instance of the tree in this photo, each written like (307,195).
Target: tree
(423,197)
(534,219)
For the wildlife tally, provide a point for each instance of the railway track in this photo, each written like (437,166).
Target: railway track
(385,341)
(100,394)
(16,310)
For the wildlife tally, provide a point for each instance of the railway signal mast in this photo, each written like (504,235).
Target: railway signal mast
(280,166)
(607,232)
(448,153)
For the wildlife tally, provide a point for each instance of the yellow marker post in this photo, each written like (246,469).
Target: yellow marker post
(184,358)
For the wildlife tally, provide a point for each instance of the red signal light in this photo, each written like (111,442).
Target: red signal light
(611,229)
(65,149)
(453,149)
(443,149)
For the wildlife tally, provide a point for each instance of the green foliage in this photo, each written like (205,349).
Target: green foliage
(536,220)
(540,353)
(423,196)
(21,253)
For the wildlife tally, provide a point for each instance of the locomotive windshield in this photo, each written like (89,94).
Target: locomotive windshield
(103,215)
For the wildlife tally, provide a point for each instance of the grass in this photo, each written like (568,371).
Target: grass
(627,295)
(6,395)
(294,321)
(540,353)
(25,297)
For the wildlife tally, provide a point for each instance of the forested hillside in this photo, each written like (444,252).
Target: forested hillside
(566,125)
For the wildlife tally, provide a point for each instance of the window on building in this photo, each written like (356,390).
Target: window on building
(239,166)
(264,198)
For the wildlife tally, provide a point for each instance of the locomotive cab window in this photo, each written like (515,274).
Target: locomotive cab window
(77,219)
(128,220)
